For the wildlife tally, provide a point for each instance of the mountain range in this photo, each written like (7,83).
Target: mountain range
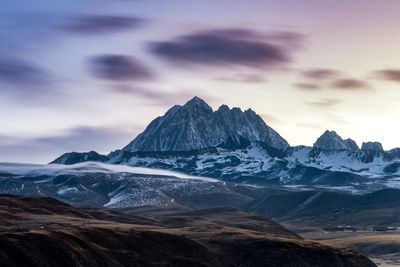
(238,146)
(227,162)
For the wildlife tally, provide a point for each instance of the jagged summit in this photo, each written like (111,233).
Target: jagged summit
(330,140)
(196,103)
(372,146)
(223,108)
(195,126)
(351,144)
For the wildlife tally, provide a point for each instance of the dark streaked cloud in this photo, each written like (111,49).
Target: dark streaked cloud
(320,74)
(22,73)
(349,84)
(388,74)
(325,103)
(46,148)
(243,78)
(98,24)
(307,86)
(227,47)
(283,38)
(119,68)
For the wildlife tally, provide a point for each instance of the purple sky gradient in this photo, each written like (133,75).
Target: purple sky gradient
(90,75)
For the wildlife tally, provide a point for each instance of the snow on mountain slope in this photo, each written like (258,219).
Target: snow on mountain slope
(119,186)
(344,161)
(88,167)
(256,164)
(220,162)
(232,145)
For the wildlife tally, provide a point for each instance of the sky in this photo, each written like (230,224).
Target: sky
(91,75)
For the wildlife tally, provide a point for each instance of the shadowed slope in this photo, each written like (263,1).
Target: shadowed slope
(46,232)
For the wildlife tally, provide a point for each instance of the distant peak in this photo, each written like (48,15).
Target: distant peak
(197,101)
(250,111)
(330,140)
(352,145)
(237,109)
(223,108)
(330,133)
(372,146)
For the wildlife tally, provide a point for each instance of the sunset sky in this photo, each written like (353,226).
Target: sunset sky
(90,75)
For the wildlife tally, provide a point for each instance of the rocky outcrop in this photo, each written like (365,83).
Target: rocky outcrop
(372,146)
(196,126)
(330,140)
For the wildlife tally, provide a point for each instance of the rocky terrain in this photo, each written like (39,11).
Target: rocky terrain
(194,158)
(46,232)
(236,146)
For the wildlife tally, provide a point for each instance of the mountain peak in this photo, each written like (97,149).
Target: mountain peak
(372,146)
(198,106)
(196,126)
(224,108)
(330,140)
(195,101)
(351,144)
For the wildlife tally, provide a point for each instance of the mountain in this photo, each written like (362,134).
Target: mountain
(113,186)
(75,157)
(236,146)
(196,126)
(330,140)
(380,208)
(372,146)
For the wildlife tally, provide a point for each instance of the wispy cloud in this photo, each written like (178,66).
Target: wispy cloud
(350,84)
(46,148)
(307,86)
(119,68)
(228,47)
(320,74)
(99,24)
(243,78)
(388,74)
(22,73)
(324,103)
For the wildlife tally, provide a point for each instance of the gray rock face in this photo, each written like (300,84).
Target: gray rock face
(75,157)
(330,140)
(372,146)
(351,144)
(195,126)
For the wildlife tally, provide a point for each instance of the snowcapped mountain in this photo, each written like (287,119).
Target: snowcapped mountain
(330,140)
(196,126)
(75,157)
(331,152)
(236,146)
(116,186)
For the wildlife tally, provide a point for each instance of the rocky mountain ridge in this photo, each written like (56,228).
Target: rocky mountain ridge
(237,146)
(196,126)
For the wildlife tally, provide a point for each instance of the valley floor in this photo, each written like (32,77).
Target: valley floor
(47,232)
(383,248)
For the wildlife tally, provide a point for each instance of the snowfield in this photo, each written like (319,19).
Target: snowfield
(88,167)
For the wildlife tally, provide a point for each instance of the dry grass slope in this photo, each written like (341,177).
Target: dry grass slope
(46,232)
